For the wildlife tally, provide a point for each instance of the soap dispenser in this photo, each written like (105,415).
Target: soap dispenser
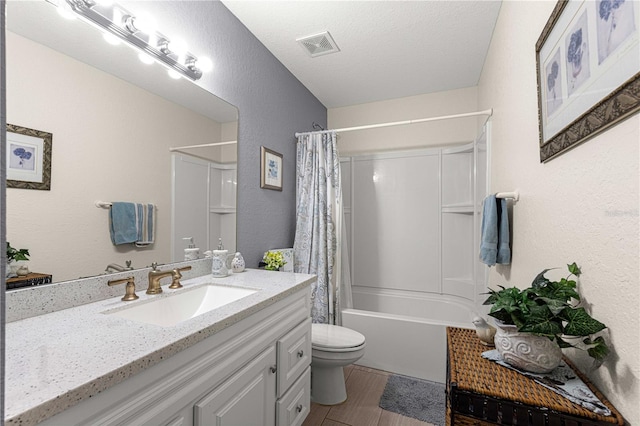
(191,252)
(219,261)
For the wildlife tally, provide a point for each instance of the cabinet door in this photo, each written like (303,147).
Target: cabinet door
(245,399)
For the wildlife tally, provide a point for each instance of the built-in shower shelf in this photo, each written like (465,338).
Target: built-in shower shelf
(458,208)
(222,210)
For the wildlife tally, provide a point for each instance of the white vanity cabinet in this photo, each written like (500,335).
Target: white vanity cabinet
(254,372)
(246,398)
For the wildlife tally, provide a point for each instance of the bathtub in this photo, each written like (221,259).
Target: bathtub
(405,333)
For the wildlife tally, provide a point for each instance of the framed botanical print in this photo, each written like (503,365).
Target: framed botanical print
(270,169)
(588,67)
(28,158)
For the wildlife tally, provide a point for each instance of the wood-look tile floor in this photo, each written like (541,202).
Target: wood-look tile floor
(364,389)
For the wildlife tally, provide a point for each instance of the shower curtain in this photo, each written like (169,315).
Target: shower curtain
(318,245)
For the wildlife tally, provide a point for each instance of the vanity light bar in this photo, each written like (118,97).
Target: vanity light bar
(118,21)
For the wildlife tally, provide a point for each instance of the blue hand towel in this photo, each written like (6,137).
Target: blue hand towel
(132,223)
(489,229)
(123,223)
(504,252)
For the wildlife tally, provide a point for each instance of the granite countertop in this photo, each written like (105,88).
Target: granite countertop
(56,360)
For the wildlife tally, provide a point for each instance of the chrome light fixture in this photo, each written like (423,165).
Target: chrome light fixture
(116,20)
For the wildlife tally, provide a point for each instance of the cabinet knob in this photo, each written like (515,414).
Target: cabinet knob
(273,369)
(300,353)
(299,408)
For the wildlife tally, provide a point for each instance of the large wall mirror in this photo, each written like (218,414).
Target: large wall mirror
(114,122)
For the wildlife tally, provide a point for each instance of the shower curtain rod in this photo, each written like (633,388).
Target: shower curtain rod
(488,112)
(179,148)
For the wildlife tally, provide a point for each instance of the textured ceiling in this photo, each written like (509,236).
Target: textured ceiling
(388,49)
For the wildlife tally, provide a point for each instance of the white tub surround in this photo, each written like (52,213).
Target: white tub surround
(413,220)
(63,358)
(406,333)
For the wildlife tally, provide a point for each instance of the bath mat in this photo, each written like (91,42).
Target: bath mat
(415,398)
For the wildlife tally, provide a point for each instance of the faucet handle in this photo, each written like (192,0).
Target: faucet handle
(154,266)
(175,283)
(130,289)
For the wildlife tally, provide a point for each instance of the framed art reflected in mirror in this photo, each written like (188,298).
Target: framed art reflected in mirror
(28,158)
(588,68)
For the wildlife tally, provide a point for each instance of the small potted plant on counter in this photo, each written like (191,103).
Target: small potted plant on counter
(536,322)
(273,260)
(14,255)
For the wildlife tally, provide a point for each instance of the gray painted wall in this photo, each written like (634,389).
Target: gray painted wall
(273,106)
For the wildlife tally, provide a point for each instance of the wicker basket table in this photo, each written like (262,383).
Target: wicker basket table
(32,279)
(481,392)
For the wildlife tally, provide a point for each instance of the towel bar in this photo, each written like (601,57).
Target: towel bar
(513,195)
(107,205)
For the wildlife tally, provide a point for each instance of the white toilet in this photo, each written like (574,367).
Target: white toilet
(333,347)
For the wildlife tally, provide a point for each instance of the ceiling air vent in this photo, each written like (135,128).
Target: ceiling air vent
(319,44)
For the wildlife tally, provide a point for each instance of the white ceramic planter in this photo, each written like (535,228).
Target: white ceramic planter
(529,352)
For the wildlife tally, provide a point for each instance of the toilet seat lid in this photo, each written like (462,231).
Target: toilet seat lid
(334,337)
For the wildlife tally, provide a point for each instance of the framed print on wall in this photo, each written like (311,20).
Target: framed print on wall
(270,169)
(28,158)
(588,68)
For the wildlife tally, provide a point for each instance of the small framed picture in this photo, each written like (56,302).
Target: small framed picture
(28,158)
(270,169)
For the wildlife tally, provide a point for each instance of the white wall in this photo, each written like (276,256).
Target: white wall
(411,136)
(581,206)
(102,136)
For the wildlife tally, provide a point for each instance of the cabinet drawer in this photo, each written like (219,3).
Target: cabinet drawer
(294,355)
(294,406)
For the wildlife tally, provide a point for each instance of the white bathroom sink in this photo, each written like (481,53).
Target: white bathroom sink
(171,310)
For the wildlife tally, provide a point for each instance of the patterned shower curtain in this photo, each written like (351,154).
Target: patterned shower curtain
(319,223)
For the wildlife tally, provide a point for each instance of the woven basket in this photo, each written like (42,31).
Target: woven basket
(481,392)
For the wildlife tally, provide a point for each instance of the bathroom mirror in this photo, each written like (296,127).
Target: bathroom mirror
(114,121)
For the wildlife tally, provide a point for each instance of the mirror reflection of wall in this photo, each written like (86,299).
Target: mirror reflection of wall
(111,142)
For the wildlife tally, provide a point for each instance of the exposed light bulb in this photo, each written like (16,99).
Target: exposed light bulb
(145,59)
(111,39)
(174,74)
(204,64)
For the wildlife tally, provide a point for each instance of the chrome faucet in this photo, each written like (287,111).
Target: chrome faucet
(154,279)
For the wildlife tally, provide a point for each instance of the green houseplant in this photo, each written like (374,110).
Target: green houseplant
(13,255)
(16,254)
(550,309)
(273,260)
